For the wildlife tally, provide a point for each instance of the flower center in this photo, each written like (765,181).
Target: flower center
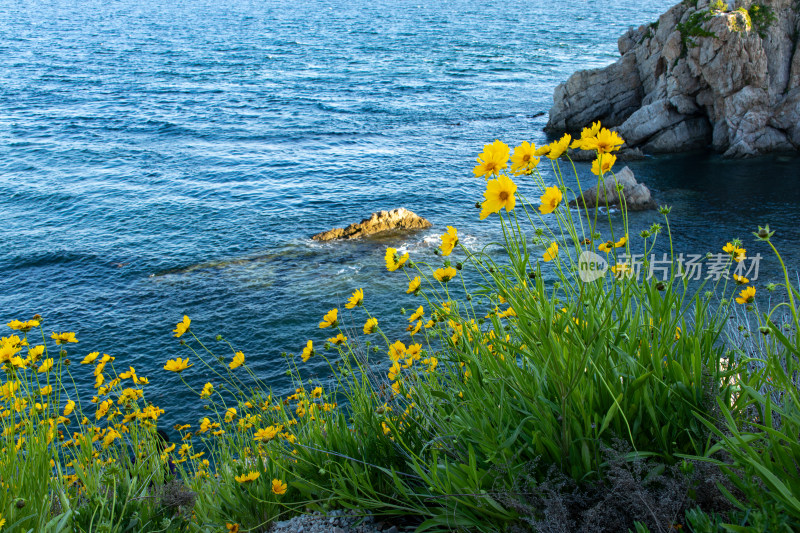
(503,195)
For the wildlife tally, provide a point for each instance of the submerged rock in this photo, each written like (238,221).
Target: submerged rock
(698,76)
(381,221)
(637,195)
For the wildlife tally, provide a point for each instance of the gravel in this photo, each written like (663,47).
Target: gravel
(339,521)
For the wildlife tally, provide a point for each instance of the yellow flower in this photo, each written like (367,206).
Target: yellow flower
(267,434)
(330,319)
(499,194)
(23,326)
(413,285)
(559,147)
(308,351)
(370,326)
(608,161)
(182,327)
(90,358)
(608,245)
(393,261)
(394,371)
(230,414)
(550,199)
(250,476)
(238,360)
(586,133)
(449,240)
(417,314)
(278,487)
(232,528)
(445,274)
(102,409)
(397,351)
(46,365)
(63,338)
(338,339)
(747,296)
(415,329)
(738,255)
(524,159)
(741,280)
(208,390)
(110,437)
(356,299)
(35,352)
(69,408)
(177,365)
(604,142)
(46,390)
(493,159)
(551,253)
(620,269)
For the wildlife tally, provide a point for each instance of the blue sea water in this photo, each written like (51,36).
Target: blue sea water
(162,159)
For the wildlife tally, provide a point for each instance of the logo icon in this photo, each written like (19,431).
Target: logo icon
(591,266)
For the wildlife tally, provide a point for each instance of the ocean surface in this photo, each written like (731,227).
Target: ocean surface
(162,159)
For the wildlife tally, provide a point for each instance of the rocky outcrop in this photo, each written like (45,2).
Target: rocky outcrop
(700,76)
(381,221)
(637,196)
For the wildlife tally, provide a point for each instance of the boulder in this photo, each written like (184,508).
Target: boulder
(637,196)
(699,76)
(379,222)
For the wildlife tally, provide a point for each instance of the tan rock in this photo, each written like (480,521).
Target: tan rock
(379,222)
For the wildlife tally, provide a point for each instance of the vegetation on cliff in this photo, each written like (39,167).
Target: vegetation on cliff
(547,384)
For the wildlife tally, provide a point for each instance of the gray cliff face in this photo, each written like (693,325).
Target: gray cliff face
(698,77)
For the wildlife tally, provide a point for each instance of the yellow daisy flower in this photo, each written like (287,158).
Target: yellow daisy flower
(330,319)
(182,327)
(176,365)
(559,147)
(356,299)
(308,351)
(370,326)
(445,274)
(449,240)
(338,339)
(551,253)
(524,159)
(393,261)
(499,194)
(550,199)
(492,160)
(413,285)
(278,487)
(747,296)
(603,164)
(250,476)
(238,360)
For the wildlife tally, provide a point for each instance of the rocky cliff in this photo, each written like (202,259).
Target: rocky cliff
(706,73)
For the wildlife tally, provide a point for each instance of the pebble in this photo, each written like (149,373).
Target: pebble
(332,522)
